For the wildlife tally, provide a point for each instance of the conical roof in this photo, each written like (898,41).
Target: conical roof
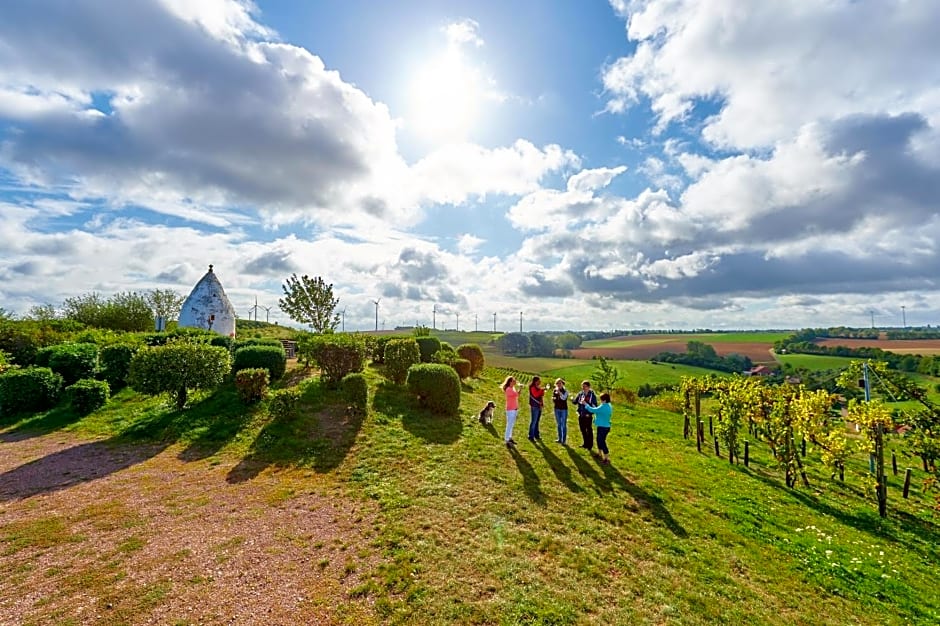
(208,307)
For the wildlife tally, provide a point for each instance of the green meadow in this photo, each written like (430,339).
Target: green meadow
(468,532)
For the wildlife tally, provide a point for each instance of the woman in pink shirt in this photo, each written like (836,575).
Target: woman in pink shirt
(512,408)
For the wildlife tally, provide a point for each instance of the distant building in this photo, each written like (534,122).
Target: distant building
(760,370)
(208,307)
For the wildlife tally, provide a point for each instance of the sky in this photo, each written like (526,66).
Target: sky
(554,164)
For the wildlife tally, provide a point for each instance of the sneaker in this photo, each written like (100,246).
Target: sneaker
(531,438)
(510,444)
(559,441)
(512,441)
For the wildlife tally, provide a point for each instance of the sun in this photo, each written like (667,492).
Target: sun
(444,99)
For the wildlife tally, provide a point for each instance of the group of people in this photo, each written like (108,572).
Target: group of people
(591,414)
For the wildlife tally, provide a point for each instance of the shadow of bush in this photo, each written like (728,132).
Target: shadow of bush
(318,435)
(396,402)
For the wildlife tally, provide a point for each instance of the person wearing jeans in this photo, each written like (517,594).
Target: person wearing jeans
(512,408)
(560,402)
(602,415)
(585,398)
(536,401)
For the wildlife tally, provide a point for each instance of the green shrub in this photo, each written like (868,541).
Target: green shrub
(400,354)
(473,353)
(254,341)
(462,367)
(42,356)
(282,404)
(355,390)
(375,346)
(73,361)
(437,387)
(251,384)
(223,341)
(177,367)
(271,358)
(338,355)
(29,390)
(114,364)
(428,346)
(193,335)
(445,357)
(4,362)
(21,339)
(88,395)
(446,347)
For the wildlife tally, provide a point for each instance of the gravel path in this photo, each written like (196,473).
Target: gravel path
(92,533)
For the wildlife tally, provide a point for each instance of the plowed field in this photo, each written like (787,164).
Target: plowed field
(900,346)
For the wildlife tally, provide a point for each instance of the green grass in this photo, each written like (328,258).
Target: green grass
(632,373)
(814,362)
(472,533)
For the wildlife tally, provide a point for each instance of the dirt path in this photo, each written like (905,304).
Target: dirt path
(99,534)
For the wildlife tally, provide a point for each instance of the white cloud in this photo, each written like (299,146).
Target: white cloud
(777,65)
(468,244)
(465,31)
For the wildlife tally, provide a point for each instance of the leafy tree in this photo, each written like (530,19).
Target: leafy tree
(128,311)
(6,315)
(701,350)
(514,343)
(86,308)
(568,341)
(165,303)
(605,375)
(541,345)
(310,301)
(43,313)
(177,367)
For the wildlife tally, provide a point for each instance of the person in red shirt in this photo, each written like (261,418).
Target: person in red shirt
(536,402)
(512,407)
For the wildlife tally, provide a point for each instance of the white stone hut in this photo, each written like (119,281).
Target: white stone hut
(208,307)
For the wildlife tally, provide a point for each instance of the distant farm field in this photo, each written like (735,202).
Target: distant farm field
(814,362)
(633,373)
(755,346)
(923,347)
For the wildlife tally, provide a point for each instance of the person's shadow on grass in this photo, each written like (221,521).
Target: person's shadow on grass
(531,483)
(559,468)
(644,499)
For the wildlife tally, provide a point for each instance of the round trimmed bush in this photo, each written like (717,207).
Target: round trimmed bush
(376,347)
(462,367)
(428,346)
(401,354)
(437,387)
(355,390)
(223,341)
(88,395)
(473,353)
(177,367)
(114,364)
(270,357)
(338,355)
(251,384)
(29,390)
(283,403)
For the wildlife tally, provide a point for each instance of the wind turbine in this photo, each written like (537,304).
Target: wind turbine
(434,317)
(343,314)
(376,303)
(267,313)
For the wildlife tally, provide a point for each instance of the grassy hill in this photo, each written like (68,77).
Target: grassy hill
(468,532)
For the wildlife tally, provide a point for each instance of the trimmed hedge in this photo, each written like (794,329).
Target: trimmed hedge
(428,346)
(283,403)
(338,355)
(114,364)
(29,390)
(376,347)
(270,357)
(400,354)
(437,387)
(88,395)
(473,353)
(251,384)
(355,390)
(254,341)
(462,367)
(177,367)
(223,341)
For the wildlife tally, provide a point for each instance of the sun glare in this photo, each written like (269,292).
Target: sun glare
(445,97)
